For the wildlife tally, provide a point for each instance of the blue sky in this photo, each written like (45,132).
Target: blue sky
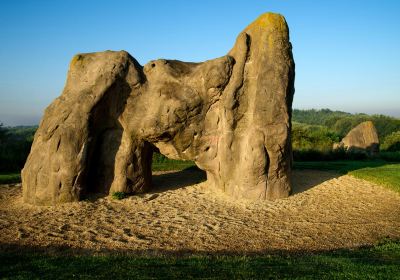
(347,53)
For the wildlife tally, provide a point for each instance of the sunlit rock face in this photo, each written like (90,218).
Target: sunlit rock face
(231,115)
(362,138)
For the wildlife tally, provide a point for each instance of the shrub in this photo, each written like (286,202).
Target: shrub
(337,154)
(15,144)
(118,195)
(390,156)
(391,143)
(313,138)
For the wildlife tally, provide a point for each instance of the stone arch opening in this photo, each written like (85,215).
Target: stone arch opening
(180,174)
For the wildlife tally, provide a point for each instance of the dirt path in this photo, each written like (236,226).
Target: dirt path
(327,211)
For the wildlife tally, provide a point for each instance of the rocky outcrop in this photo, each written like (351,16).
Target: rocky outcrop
(362,138)
(231,115)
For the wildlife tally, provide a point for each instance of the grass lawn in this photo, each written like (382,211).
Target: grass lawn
(341,166)
(10,178)
(171,165)
(378,262)
(377,171)
(387,175)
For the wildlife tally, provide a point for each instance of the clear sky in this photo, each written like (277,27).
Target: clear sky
(347,53)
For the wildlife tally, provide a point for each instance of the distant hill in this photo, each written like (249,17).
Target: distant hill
(341,122)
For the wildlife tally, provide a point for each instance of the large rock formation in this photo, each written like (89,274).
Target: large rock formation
(231,115)
(362,138)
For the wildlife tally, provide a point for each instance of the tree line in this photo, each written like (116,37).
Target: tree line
(15,144)
(313,135)
(315,131)
(342,122)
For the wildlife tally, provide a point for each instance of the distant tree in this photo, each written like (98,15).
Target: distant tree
(391,143)
(385,125)
(345,124)
(2,132)
(316,117)
(15,144)
(313,137)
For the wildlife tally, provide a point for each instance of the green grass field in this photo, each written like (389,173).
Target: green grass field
(386,175)
(10,178)
(378,262)
(377,171)
(171,165)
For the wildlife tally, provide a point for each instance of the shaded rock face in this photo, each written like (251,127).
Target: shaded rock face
(362,138)
(231,115)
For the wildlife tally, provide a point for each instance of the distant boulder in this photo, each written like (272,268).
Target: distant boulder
(362,138)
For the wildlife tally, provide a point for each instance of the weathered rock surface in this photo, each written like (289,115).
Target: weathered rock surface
(231,115)
(362,138)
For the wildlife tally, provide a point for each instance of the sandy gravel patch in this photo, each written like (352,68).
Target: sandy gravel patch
(327,211)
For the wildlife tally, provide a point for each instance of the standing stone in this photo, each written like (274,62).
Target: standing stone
(362,138)
(230,115)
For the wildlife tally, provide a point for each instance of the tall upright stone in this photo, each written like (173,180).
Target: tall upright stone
(231,115)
